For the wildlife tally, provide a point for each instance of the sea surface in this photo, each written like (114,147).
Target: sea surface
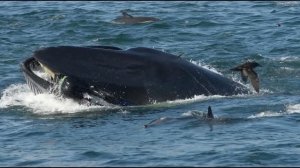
(255,129)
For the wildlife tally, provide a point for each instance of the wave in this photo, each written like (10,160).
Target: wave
(289,58)
(266,114)
(205,24)
(290,109)
(205,66)
(293,108)
(287,3)
(44,104)
(194,99)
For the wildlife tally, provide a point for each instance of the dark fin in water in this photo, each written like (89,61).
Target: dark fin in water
(125,14)
(210,115)
(247,71)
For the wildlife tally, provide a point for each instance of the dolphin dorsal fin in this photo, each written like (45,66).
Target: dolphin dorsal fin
(209,113)
(125,14)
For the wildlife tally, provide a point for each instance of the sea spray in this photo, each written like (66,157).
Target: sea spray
(21,95)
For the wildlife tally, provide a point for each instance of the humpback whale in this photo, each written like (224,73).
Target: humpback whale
(107,74)
(247,72)
(129,19)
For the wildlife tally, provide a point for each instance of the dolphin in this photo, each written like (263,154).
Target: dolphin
(157,121)
(247,72)
(203,116)
(129,19)
(209,115)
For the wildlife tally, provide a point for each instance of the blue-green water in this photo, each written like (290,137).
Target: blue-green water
(249,130)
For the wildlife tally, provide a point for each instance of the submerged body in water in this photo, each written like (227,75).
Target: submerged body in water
(195,114)
(204,117)
(129,19)
(137,76)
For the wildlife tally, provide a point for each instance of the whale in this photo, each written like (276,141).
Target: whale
(109,75)
(129,19)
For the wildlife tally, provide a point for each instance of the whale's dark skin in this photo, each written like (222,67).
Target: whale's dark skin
(136,76)
(129,19)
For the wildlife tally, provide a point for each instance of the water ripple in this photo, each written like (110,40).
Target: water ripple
(251,130)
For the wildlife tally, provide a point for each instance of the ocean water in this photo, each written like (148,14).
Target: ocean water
(257,129)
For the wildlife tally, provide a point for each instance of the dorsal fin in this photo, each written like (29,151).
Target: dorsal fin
(125,14)
(209,113)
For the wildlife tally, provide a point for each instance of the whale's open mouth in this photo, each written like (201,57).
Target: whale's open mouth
(42,79)
(39,78)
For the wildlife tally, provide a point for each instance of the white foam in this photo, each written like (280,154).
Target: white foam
(266,114)
(208,67)
(195,98)
(287,68)
(284,58)
(21,95)
(235,77)
(123,111)
(187,114)
(293,108)
(290,109)
(287,3)
(289,58)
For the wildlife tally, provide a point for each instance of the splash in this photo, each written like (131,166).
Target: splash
(205,66)
(287,3)
(187,114)
(266,114)
(194,99)
(235,77)
(293,108)
(290,109)
(289,58)
(44,104)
